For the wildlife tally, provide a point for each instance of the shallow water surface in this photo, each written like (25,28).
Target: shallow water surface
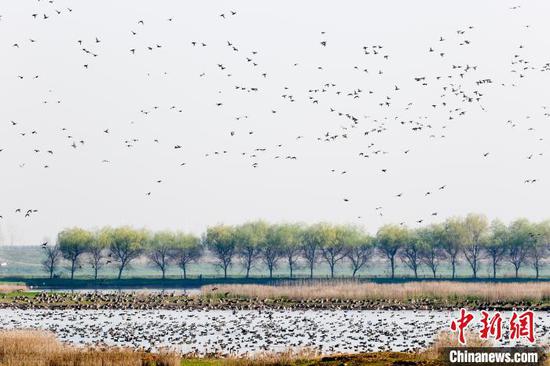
(248,331)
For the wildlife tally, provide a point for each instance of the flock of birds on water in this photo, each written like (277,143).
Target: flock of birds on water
(462,88)
(230,332)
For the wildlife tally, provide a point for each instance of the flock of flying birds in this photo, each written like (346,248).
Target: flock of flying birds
(459,90)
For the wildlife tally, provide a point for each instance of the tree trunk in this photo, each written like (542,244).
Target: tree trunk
(120,269)
(453,264)
(537,272)
(95,272)
(270,272)
(433,270)
(517,269)
(184,272)
(392,262)
(311,270)
(415,273)
(73,269)
(332,270)
(290,266)
(354,272)
(494,269)
(163,273)
(225,271)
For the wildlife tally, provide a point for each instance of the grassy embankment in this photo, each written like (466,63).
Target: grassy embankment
(36,348)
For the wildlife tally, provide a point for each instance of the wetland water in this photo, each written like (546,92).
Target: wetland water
(248,331)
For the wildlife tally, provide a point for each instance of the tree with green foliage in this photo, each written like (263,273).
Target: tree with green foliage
(360,249)
(389,240)
(453,237)
(250,238)
(271,250)
(73,243)
(522,235)
(334,244)
(496,245)
(410,253)
(126,245)
(311,244)
(97,248)
(159,249)
(220,240)
(475,228)
(431,246)
(289,237)
(187,248)
(538,250)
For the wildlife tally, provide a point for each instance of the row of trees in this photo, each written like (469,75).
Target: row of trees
(472,239)
(121,246)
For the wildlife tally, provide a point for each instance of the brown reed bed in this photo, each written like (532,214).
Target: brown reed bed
(12,287)
(421,290)
(290,357)
(39,348)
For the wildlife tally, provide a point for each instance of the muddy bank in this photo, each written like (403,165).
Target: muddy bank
(171,301)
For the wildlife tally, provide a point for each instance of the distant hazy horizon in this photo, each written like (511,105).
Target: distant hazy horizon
(282,94)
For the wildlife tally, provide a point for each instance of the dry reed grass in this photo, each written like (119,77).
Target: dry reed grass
(441,290)
(38,348)
(10,287)
(289,357)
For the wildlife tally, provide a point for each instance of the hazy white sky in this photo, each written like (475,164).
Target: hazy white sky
(171,94)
